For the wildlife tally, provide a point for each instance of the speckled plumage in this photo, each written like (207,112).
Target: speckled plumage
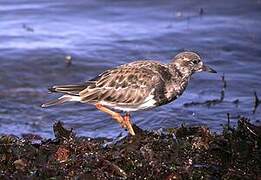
(135,86)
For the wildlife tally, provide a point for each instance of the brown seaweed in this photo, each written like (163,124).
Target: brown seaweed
(177,153)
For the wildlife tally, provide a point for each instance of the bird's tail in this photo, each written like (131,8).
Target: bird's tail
(68,89)
(61,100)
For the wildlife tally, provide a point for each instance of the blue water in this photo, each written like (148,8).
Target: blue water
(35,37)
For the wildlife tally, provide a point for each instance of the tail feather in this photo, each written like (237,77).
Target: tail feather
(61,100)
(68,89)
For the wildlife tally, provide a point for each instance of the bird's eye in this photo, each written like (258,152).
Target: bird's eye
(195,61)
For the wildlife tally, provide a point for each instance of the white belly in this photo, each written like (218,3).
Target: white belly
(148,103)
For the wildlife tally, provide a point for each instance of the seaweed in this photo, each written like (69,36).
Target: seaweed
(256,102)
(174,153)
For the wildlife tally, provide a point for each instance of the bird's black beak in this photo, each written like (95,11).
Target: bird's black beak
(208,69)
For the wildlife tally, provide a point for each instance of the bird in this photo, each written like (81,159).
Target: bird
(136,86)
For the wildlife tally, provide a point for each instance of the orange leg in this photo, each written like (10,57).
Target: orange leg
(128,123)
(125,122)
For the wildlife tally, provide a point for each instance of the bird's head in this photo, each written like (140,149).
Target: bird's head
(190,62)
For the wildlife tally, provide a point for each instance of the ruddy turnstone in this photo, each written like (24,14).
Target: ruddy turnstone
(135,86)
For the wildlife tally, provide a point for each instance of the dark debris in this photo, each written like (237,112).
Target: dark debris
(256,102)
(178,153)
(61,133)
(213,102)
(27,28)
(201,12)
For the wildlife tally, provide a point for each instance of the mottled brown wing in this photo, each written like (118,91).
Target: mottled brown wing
(127,84)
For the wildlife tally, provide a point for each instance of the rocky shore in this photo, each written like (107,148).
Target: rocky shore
(175,153)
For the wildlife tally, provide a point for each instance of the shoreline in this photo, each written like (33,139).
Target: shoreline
(177,153)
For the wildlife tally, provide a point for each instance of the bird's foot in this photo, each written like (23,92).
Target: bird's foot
(124,121)
(128,124)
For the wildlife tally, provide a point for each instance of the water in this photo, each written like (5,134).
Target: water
(37,35)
